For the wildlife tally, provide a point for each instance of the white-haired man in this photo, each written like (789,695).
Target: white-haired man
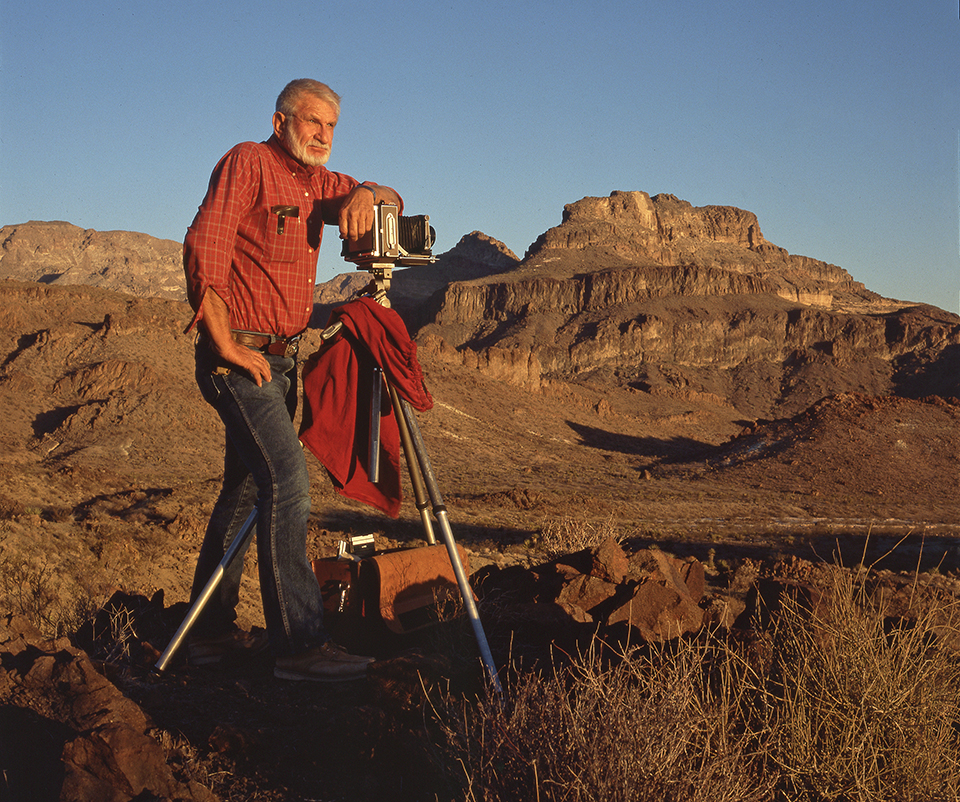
(250,259)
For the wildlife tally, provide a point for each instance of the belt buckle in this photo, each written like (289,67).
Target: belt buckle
(293,346)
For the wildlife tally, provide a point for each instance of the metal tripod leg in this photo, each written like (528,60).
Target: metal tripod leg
(237,546)
(404,411)
(416,477)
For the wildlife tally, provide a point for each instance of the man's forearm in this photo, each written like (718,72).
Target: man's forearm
(215,320)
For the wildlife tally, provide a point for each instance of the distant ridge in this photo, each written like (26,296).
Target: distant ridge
(123,261)
(645,294)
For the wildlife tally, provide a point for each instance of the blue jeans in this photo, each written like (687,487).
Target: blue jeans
(264,464)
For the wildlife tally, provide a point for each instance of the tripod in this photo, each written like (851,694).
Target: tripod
(423,481)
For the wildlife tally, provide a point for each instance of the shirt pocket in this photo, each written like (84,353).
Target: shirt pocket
(283,236)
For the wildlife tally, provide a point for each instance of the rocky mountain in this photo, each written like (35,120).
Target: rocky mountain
(657,295)
(63,254)
(644,294)
(713,240)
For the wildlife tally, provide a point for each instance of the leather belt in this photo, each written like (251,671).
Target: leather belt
(268,343)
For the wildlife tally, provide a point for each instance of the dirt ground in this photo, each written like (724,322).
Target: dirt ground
(108,478)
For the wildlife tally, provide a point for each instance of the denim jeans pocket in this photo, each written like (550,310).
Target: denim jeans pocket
(210,389)
(205,363)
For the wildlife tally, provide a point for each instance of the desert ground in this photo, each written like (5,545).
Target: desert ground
(111,464)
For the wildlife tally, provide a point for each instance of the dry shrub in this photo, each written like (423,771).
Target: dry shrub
(34,588)
(834,702)
(643,726)
(866,708)
(568,534)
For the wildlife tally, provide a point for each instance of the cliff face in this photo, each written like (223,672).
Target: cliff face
(656,293)
(614,250)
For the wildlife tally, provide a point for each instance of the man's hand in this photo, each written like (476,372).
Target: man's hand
(253,362)
(216,322)
(356,213)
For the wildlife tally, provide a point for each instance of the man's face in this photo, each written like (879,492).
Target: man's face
(307,134)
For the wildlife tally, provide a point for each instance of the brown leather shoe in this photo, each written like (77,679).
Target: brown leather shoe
(327,663)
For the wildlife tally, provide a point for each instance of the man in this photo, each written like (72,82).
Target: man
(250,259)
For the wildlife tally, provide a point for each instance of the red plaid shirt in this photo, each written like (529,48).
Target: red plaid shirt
(233,246)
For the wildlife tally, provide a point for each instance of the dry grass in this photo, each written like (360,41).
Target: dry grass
(643,726)
(34,588)
(833,702)
(863,709)
(565,535)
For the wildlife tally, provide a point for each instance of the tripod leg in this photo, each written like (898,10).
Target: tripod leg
(413,466)
(237,545)
(373,454)
(440,512)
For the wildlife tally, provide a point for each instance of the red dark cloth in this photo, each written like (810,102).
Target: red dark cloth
(232,247)
(337,382)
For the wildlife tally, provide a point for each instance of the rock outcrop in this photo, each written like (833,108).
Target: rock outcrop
(77,736)
(655,593)
(664,230)
(124,261)
(654,293)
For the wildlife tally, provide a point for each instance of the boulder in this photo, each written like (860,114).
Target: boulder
(661,605)
(84,739)
(650,590)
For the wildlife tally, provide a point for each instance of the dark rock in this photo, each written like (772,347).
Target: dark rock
(609,562)
(586,592)
(100,739)
(661,606)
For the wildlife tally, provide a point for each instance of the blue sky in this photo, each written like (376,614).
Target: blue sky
(836,122)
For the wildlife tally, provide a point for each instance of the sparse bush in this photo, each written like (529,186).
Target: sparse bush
(568,534)
(31,588)
(865,709)
(642,726)
(834,702)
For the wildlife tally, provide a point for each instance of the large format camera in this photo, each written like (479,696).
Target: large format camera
(393,239)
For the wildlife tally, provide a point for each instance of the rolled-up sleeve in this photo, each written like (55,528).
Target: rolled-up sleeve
(208,247)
